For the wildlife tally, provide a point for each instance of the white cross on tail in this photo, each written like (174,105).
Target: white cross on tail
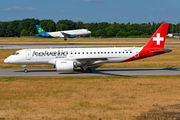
(158,39)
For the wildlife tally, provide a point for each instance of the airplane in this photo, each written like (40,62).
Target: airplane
(61,34)
(67,59)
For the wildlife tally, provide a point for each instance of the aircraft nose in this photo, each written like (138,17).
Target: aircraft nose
(7,60)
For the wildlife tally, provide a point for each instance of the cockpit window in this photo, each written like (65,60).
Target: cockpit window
(16,53)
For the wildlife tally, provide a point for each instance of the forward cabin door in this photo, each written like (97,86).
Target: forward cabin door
(28,54)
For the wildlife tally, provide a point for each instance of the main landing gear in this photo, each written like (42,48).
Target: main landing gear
(86,69)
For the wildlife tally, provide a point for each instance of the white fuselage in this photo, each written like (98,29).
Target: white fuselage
(77,32)
(80,56)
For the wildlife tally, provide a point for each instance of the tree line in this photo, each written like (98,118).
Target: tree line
(27,27)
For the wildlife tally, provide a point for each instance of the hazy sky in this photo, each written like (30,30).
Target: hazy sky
(120,11)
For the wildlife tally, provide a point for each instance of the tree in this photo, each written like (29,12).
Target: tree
(48,25)
(68,24)
(4,27)
(134,33)
(109,33)
(10,31)
(30,34)
(24,33)
(60,27)
(98,33)
(15,25)
(79,25)
(32,26)
(1,32)
(122,33)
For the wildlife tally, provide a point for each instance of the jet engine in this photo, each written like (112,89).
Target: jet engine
(65,66)
(73,36)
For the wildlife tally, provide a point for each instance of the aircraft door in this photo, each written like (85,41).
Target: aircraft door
(136,52)
(28,54)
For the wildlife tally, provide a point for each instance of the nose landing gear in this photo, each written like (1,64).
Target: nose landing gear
(25,69)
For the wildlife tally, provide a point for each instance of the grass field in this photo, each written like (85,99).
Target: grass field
(79,40)
(171,59)
(90,98)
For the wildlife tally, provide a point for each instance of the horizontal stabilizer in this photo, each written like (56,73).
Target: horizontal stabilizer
(160,51)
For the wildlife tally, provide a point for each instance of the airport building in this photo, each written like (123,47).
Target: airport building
(175,35)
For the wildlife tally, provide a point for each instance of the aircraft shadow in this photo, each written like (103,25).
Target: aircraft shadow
(100,71)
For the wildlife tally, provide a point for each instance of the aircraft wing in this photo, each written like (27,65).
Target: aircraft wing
(92,59)
(81,60)
(66,35)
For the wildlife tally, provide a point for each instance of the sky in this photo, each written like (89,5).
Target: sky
(87,11)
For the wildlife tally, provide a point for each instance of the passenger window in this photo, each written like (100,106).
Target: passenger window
(94,52)
(119,52)
(82,52)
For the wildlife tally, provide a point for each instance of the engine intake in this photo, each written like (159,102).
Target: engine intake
(65,66)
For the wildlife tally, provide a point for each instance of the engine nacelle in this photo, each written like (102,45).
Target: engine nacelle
(65,66)
(73,36)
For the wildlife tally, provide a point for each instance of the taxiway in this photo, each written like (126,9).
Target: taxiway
(95,72)
(45,45)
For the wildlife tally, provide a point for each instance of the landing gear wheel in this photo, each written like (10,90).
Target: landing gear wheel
(25,70)
(65,39)
(88,70)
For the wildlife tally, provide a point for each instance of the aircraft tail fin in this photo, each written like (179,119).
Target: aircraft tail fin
(157,41)
(40,29)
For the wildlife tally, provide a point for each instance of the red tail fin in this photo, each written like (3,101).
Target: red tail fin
(159,37)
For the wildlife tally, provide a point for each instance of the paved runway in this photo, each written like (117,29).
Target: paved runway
(95,72)
(24,46)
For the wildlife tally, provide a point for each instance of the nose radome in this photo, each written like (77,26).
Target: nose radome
(7,60)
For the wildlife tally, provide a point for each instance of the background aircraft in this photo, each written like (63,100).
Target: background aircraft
(61,34)
(67,59)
